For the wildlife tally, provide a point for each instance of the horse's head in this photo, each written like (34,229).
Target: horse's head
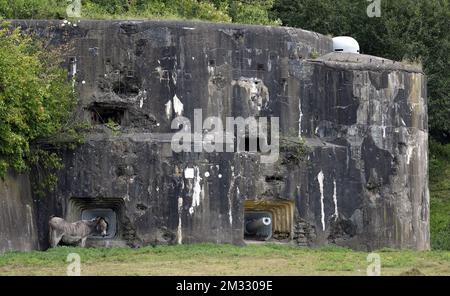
(102,225)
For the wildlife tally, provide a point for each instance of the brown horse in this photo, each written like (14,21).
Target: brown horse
(61,230)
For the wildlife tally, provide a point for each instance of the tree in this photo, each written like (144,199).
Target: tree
(36,100)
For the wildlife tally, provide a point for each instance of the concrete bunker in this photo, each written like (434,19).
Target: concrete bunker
(344,105)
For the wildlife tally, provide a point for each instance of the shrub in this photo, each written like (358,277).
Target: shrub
(36,98)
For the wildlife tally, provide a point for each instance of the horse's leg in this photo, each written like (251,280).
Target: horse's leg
(50,237)
(58,238)
(55,238)
(83,242)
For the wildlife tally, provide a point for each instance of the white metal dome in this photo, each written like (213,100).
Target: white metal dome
(345,44)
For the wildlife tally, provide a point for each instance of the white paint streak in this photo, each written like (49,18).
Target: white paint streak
(409,153)
(160,72)
(336,213)
(177,106)
(197,188)
(74,68)
(142,96)
(169,109)
(320,178)
(211,70)
(300,118)
(179,232)
(189,173)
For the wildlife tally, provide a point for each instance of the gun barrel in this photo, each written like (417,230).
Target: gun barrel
(254,225)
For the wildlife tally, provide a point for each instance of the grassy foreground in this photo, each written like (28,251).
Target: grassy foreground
(209,259)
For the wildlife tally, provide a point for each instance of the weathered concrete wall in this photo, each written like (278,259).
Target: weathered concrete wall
(363,185)
(370,115)
(18,231)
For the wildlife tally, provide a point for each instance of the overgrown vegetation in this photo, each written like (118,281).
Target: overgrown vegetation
(237,11)
(36,101)
(113,126)
(440,197)
(209,259)
(293,149)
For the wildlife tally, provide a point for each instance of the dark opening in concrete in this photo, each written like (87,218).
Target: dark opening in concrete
(282,216)
(111,209)
(101,114)
(108,214)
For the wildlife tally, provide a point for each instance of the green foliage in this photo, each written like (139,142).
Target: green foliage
(247,12)
(33,9)
(440,195)
(251,12)
(45,164)
(314,54)
(113,126)
(142,9)
(294,150)
(406,30)
(238,11)
(36,100)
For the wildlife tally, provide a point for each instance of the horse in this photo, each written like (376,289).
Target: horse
(61,230)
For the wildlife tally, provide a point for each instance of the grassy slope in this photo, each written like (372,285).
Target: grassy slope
(440,195)
(208,259)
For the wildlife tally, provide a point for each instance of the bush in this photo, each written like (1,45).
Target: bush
(33,9)
(239,11)
(36,98)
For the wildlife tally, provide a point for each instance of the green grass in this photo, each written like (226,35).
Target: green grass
(210,259)
(440,195)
